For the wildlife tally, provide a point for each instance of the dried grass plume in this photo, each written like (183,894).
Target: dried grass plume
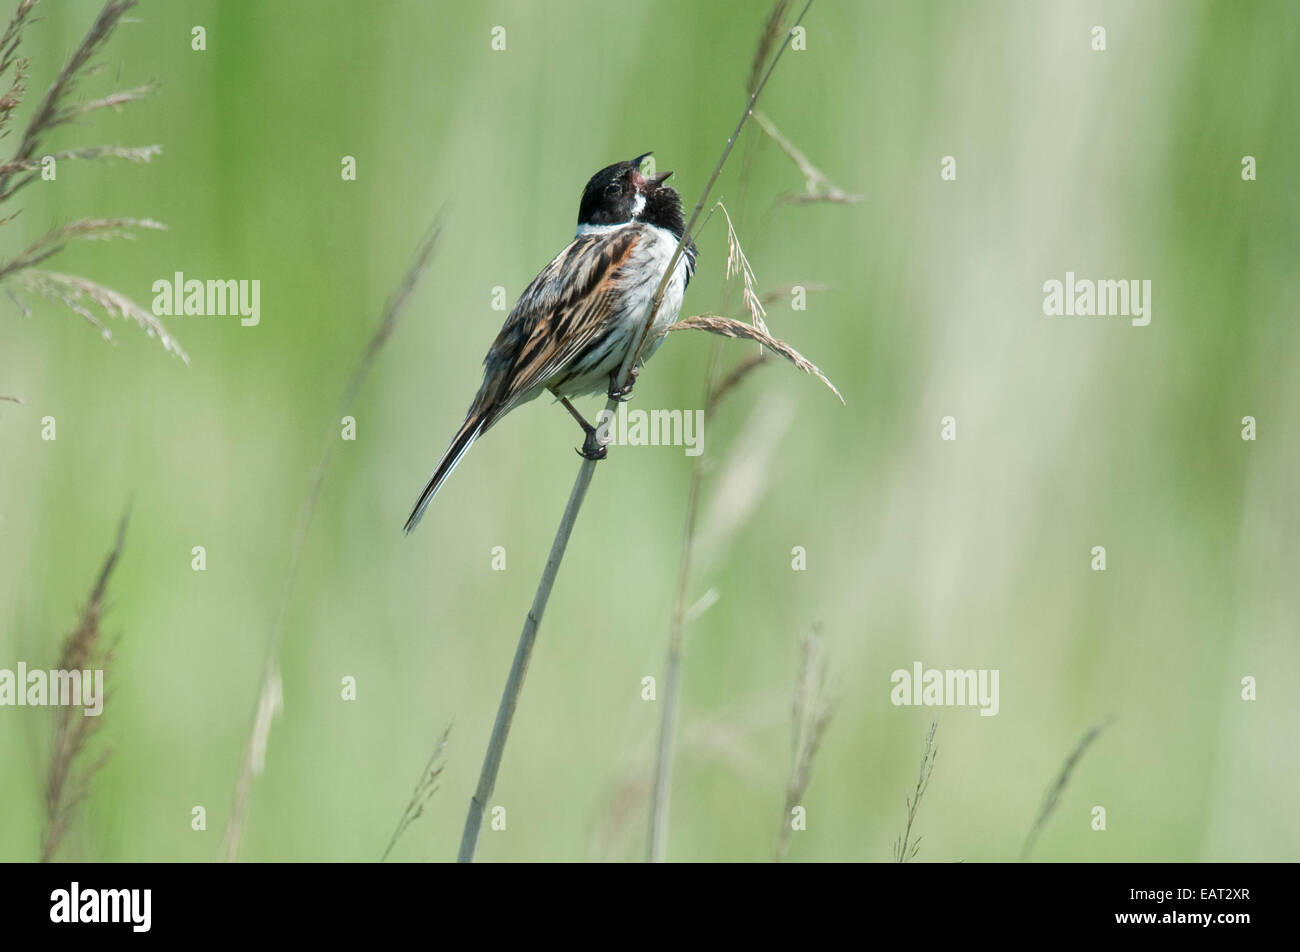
(72,766)
(730,327)
(58,107)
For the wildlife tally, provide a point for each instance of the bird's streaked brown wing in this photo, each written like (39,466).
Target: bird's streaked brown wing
(566,310)
(563,312)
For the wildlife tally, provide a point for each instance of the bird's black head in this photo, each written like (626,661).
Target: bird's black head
(619,194)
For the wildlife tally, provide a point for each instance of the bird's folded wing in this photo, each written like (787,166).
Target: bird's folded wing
(559,315)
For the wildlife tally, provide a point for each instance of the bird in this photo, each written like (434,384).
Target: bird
(572,327)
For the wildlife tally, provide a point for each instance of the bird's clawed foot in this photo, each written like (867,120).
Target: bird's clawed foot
(622,394)
(592,447)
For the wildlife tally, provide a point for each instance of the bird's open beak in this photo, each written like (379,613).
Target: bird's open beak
(640,182)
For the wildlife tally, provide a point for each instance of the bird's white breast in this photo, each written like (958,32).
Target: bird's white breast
(643,272)
(638,280)
(652,254)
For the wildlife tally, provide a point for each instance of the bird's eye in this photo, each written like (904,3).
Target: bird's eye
(612,189)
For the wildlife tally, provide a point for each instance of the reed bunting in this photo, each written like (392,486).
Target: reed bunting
(571,329)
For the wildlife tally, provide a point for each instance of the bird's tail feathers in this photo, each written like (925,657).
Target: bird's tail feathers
(470,431)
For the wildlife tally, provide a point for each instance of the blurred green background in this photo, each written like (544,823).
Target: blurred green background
(1072,432)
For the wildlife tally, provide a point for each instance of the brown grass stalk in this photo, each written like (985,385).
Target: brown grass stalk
(72,768)
(78,294)
(54,109)
(57,108)
(54,241)
(730,327)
